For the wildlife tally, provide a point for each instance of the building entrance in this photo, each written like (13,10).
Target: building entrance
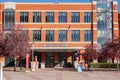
(38,54)
(49,60)
(62,59)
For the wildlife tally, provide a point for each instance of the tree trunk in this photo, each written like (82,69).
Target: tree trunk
(109,64)
(117,65)
(88,64)
(20,63)
(14,63)
(92,67)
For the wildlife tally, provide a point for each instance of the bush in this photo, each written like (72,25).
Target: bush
(103,65)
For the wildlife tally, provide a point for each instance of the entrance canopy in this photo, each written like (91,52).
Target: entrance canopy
(57,49)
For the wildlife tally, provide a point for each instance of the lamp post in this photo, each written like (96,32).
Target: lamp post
(1,72)
(32,51)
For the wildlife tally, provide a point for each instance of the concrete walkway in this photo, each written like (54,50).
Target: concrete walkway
(61,74)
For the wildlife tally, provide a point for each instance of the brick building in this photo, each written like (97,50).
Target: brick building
(60,31)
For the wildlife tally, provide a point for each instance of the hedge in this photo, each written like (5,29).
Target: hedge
(103,65)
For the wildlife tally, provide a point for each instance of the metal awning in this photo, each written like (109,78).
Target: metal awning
(56,49)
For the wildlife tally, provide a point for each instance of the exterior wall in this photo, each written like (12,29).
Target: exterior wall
(115,20)
(43,26)
(119,22)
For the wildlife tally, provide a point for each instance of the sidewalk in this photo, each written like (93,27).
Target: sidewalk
(61,74)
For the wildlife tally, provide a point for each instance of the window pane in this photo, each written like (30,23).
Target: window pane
(62,35)
(36,35)
(36,17)
(9,18)
(49,16)
(49,35)
(23,16)
(75,35)
(75,17)
(88,17)
(62,17)
(88,35)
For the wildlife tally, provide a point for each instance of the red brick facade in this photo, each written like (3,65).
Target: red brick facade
(43,26)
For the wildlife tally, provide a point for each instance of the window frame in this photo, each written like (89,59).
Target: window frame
(37,35)
(62,35)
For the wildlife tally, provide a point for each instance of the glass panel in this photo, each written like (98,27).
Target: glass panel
(75,17)
(88,17)
(88,35)
(75,35)
(62,17)
(23,16)
(36,35)
(49,16)
(36,17)
(9,18)
(49,35)
(62,35)
(104,21)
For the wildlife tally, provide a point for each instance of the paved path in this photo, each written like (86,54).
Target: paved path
(61,74)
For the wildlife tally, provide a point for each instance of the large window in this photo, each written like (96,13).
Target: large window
(9,18)
(23,16)
(75,17)
(62,35)
(75,35)
(49,35)
(36,17)
(62,17)
(36,35)
(88,17)
(88,35)
(49,16)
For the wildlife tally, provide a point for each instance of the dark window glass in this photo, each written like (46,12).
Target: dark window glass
(62,35)
(49,16)
(9,18)
(62,17)
(23,16)
(49,35)
(88,17)
(36,35)
(75,35)
(36,17)
(75,17)
(88,35)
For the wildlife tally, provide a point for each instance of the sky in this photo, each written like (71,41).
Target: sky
(54,1)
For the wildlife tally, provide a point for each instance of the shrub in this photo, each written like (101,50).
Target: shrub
(103,65)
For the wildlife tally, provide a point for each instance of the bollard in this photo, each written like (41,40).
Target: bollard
(1,72)
(36,63)
(27,63)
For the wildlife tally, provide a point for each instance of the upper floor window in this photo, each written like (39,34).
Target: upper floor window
(75,35)
(88,17)
(62,17)
(49,16)
(36,35)
(23,16)
(9,18)
(62,35)
(75,17)
(49,35)
(24,33)
(36,17)
(88,35)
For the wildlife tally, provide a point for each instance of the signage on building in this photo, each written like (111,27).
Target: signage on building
(55,45)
